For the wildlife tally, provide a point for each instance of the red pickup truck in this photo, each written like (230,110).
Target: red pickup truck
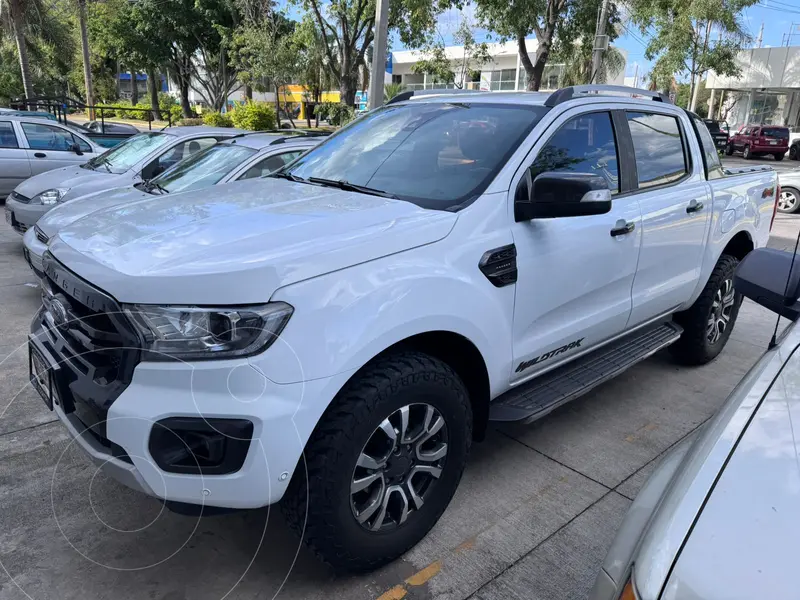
(758,140)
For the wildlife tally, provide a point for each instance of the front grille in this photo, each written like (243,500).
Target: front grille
(94,342)
(20,198)
(41,235)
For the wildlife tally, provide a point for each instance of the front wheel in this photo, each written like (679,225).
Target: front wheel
(383,463)
(729,150)
(746,153)
(793,153)
(789,201)
(708,323)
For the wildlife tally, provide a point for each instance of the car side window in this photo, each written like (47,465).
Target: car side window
(177,153)
(8,139)
(270,164)
(47,137)
(710,156)
(584,144)
(658,147)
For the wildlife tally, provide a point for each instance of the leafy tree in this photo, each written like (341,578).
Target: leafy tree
(435,61)
(684,97)
(692,37)
(574,43)
(578,66)
(347,32)
(390,90)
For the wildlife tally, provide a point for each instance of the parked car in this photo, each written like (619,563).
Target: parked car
(794,149)
(30,146)
(719,517)
(789,201)
(718,131)
(243,157)
(138,158)
(760,140)
(335,336)
(110,127)
(12,112)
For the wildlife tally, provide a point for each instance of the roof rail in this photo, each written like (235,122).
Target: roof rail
(403,96)
(568,93)
(288,138)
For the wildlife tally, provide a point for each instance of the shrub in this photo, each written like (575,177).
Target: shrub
(335,113)
(255,116)
(175,112)
(166,102)
(107,113)
(215,119)
(189,122)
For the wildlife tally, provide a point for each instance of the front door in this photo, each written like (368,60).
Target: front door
(52,147)
(574,275)
(14,166)
(674,198)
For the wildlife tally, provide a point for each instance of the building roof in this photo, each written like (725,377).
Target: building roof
(457,52)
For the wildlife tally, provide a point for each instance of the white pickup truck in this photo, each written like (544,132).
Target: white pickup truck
(336,336)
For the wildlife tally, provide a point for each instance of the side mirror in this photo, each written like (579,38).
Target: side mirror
(763,276)
(561,194)
(76,149)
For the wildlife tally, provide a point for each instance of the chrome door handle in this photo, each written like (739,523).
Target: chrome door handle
(694,206)
(623,228)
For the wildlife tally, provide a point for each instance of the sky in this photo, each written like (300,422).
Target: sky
(778,16)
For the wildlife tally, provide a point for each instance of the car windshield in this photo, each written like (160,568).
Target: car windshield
(203,169)
(122,157)
(437,155)
(775,132)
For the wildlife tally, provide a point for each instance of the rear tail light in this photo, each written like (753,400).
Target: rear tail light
(775,205)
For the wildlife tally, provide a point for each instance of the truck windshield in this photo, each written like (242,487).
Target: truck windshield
(437,155)
(122,157)
(203,169)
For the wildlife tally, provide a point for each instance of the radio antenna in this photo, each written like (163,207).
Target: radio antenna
(773,341)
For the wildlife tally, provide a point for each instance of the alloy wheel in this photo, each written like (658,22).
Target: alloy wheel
(721,309)
(787,201)
(398,467)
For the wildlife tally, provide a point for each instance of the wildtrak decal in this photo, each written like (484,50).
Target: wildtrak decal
(529,363)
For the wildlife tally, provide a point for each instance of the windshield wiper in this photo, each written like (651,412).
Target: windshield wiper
(350,187)
(102,161)
(289,176)
(151,185)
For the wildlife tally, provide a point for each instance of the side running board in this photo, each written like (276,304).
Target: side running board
(534,399)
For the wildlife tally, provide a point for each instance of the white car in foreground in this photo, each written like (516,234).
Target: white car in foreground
(336,335)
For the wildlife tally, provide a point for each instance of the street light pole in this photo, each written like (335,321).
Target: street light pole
(600,43)
(379,54)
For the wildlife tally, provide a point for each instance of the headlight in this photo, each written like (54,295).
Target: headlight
(50,196)
(195,333)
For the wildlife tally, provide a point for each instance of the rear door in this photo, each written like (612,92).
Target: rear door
(674,198)
(51,147)
(14,165)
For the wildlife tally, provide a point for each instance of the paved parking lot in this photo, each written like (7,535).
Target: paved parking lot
(532,518)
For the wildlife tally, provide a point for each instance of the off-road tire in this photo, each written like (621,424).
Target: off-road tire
(317,504)
(693,347)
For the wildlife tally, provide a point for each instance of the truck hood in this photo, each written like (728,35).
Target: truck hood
(79,182)
(71,211)
(747,538)
(237,243)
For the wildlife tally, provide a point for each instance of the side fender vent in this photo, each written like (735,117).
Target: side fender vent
(500,265)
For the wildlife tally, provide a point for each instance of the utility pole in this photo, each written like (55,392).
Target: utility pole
(600,42)
(87,65)
(379,54)
(636,75)
(760,40)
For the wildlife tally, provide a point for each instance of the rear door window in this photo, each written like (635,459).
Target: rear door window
(180,151)
(775,132)
(711,159)
(659,148)
(47,137)
(584,144)
(8,139)
(270,164)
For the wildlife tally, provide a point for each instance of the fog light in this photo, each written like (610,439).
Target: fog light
(192,445)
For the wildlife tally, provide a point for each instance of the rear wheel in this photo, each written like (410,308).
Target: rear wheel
(789,201)
(746,152)
(708,323)
(779,156)
(383,463)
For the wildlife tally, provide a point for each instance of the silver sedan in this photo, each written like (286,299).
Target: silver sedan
(720,516)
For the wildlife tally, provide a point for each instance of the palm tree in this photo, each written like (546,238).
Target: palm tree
(13,13)
(390,90)
(578,69)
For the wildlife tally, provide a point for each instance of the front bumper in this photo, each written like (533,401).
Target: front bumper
(33,249)
(24,216)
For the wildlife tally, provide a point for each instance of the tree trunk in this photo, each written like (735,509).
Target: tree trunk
(347,85)
(87,63)
(117,82)
(153,89)
(277,105)
(22,48)
(287,110)
(134,89)
(525,60)
(183,85)
(248,92)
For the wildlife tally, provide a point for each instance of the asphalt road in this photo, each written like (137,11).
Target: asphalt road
(532,519)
